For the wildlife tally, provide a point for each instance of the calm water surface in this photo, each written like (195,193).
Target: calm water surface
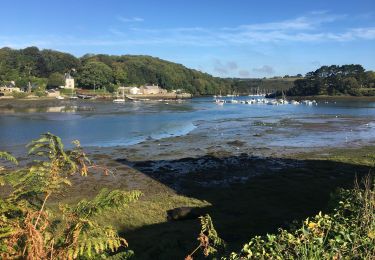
(101,123)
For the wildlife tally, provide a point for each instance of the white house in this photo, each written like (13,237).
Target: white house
(152,89)
(135,91)
(69,81)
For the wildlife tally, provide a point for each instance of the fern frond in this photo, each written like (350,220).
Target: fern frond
(105,200)
(8,157)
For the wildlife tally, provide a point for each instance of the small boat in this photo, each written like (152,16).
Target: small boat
(120,100)
(309,102)
(60,97)
(294,102)
(73,97)
(81,96)
(272,102)
(219,102)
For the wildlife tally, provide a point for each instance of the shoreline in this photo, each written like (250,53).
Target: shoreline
(172,96)
(324,97)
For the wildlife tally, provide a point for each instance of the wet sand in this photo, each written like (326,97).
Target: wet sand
(227,147)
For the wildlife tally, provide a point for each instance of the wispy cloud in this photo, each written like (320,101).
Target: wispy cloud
(116,32)
(307,22)
(265,69)
(130,19)
(309,28)
(244,73)
(224,68)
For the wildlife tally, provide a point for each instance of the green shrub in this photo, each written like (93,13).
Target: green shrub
(347,233)
(40,93)
(19,94)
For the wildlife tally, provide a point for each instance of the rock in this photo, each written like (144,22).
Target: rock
(182,213)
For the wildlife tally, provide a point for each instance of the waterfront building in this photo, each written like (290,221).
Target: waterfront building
(152,89)
(9,88)
(69,81)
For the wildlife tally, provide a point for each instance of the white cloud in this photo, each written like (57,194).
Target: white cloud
(130,19)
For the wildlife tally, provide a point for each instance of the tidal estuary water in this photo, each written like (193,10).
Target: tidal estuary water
(105,124)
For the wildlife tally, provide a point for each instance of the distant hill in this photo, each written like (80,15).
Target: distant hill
(45,68)
(138,70)
(32,64)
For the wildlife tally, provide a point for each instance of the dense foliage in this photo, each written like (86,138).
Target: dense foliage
(335,80)
(30,229)
(30,64)
(33,65)
(35,69)
(347,233)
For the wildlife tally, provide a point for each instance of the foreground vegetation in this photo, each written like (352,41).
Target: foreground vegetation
(347,233)
(80,227)
(31,230)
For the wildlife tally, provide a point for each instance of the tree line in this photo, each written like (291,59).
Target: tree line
(41,69)
(335,80)
(46,68)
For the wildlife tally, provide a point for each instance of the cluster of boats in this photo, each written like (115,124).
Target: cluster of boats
(266,101)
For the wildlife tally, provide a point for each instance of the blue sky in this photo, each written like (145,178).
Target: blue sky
(234,38)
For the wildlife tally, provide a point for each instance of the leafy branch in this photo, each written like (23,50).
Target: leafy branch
(209,240)
(26,229)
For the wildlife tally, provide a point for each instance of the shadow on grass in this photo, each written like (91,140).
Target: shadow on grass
(249,196)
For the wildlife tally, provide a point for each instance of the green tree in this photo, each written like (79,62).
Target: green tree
(59,62)
(119,74)
(95,74)
(55,80)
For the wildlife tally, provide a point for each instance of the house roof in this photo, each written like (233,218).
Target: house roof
(67,76)
(9,85)
(151,87)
